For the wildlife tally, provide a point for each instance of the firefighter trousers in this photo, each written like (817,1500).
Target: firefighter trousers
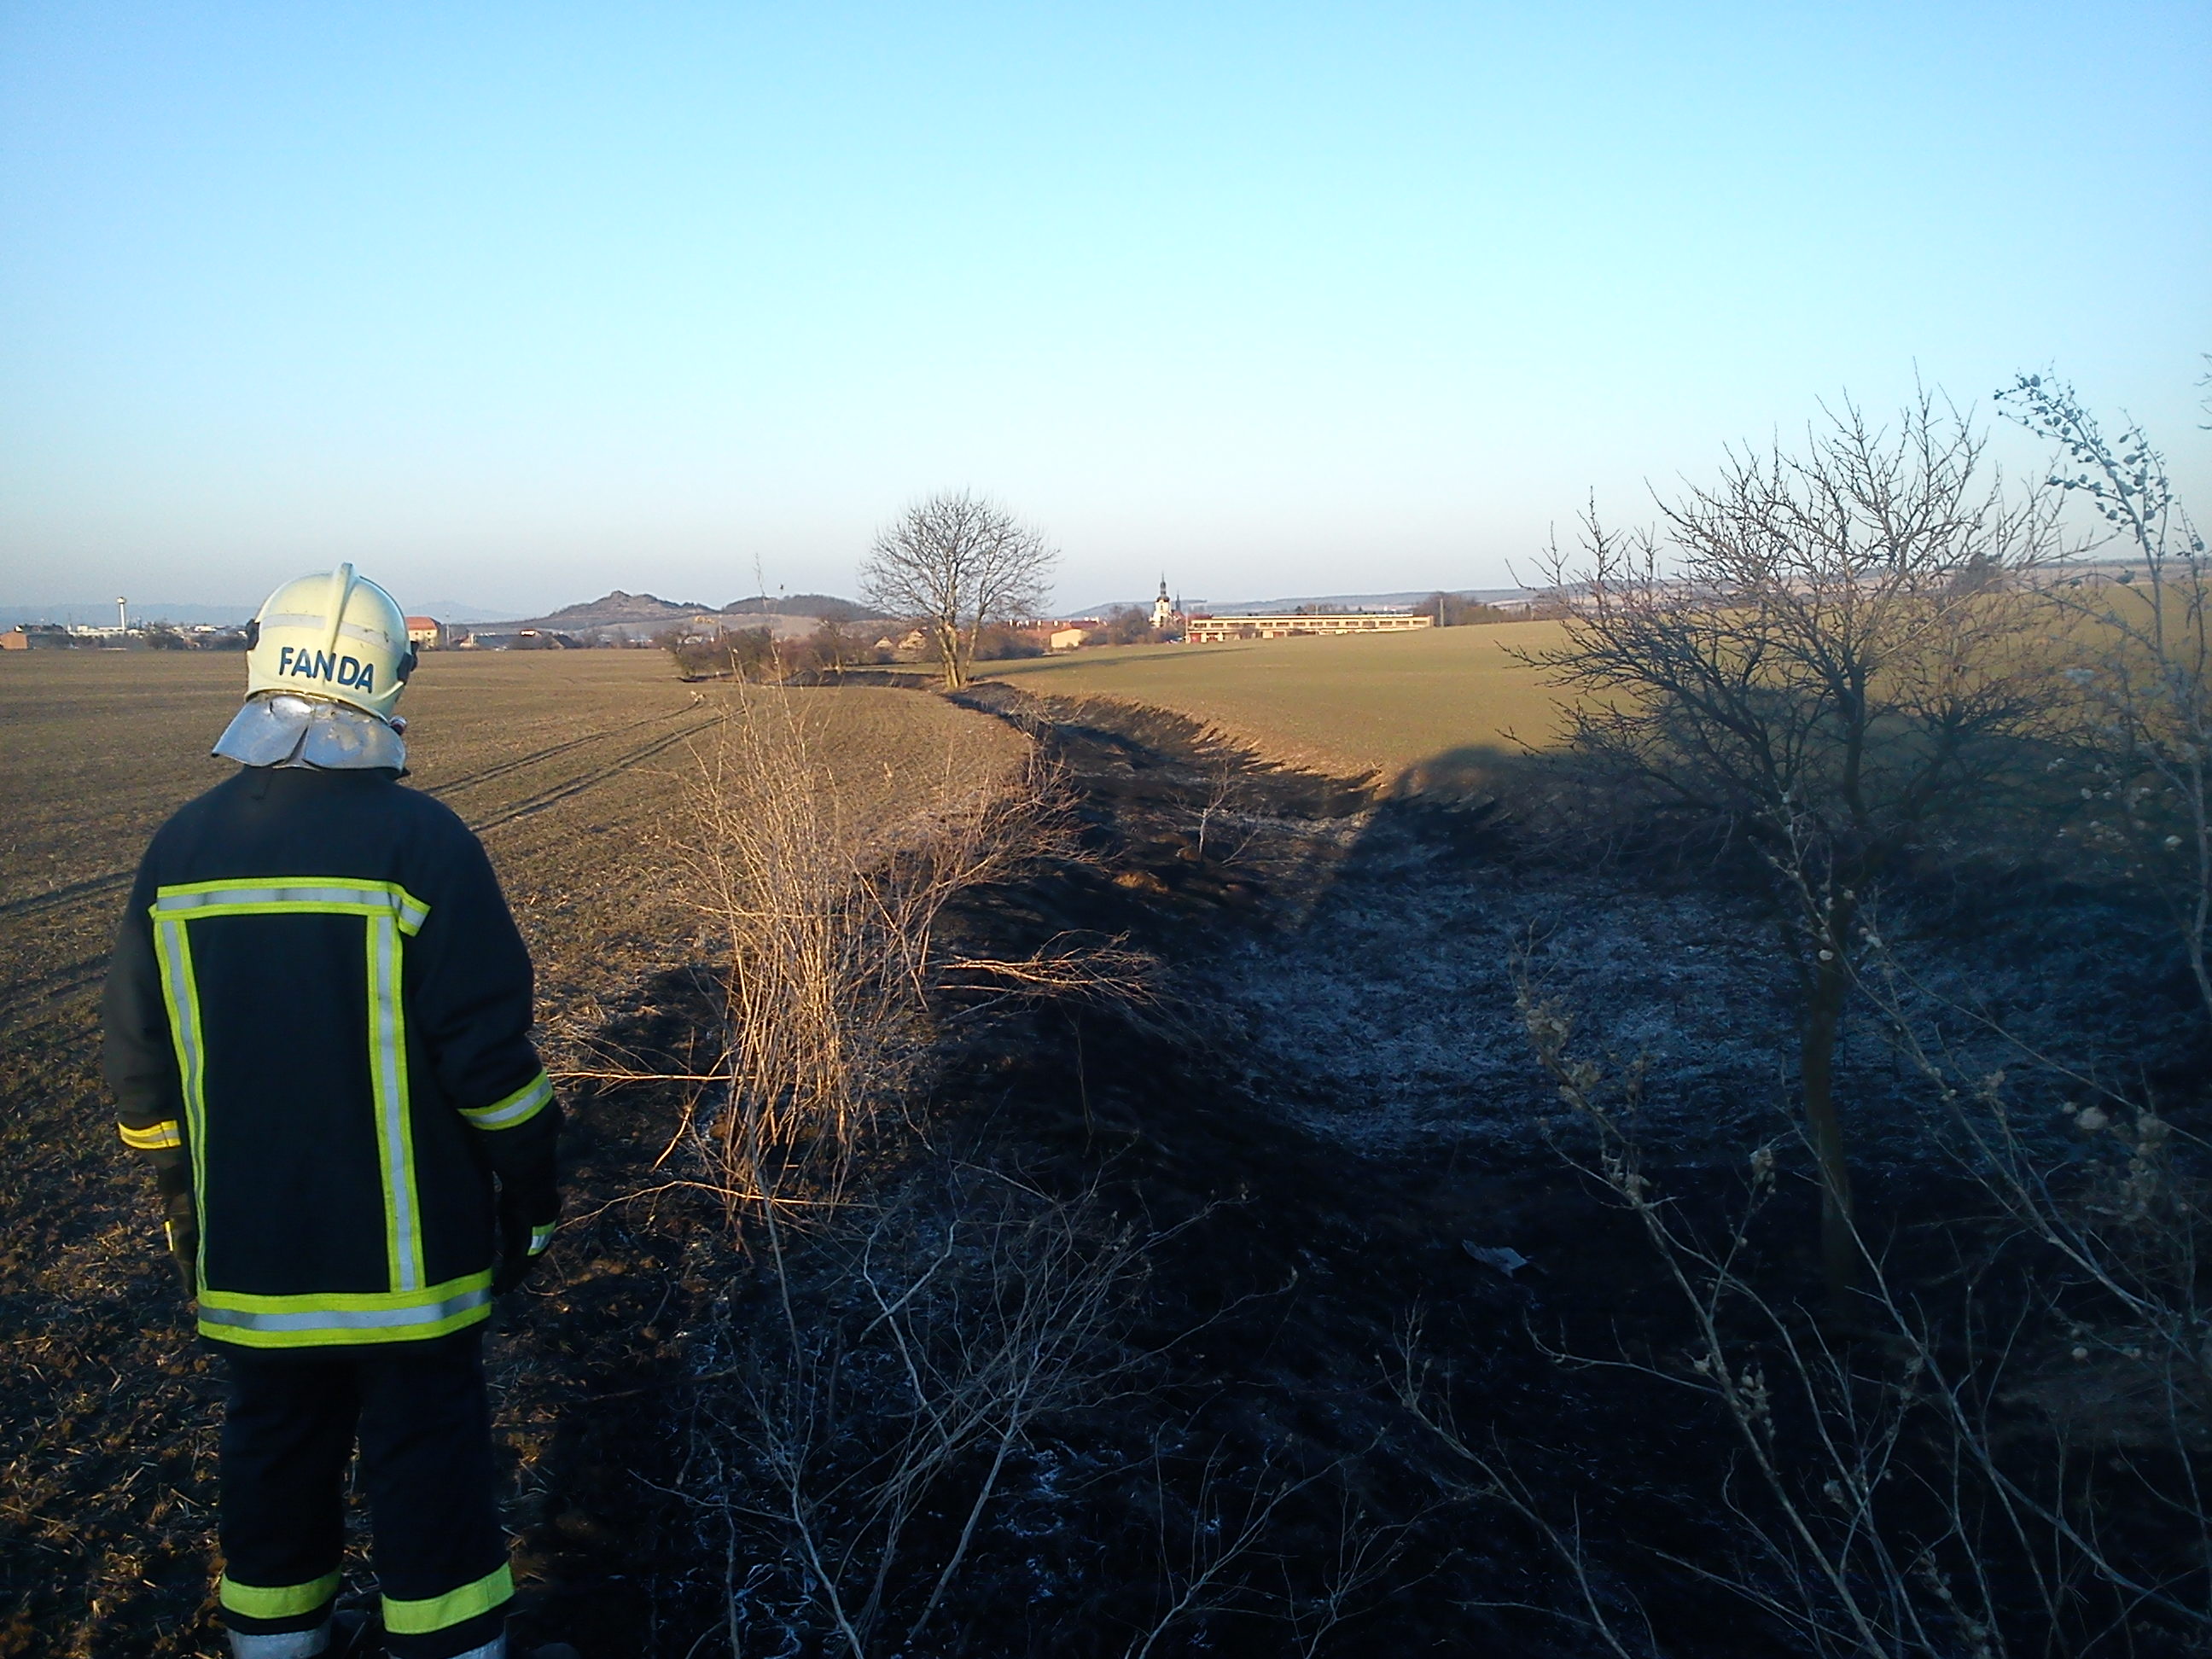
(424,1422)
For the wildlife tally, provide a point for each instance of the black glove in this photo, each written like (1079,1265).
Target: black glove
(180,1222)
(180,1225)
(516,1237)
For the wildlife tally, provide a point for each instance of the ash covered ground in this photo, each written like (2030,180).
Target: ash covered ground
(1380,1008)
(1331,1100)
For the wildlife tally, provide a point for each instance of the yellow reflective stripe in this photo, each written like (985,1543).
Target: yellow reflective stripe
(395,1134)
(344,1317)
(516,1109)
(328,1336)
(539,1238)
(180,997)
(280,1600)
(388,911)
(349,1302)
(494,1589)
(265,895)
(155,1138)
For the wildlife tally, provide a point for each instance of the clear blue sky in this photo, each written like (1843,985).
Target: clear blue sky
(514,304)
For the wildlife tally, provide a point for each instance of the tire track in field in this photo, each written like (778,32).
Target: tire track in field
(90,888)
(59,985)
(55,985)
(500,769)
(93,887)
(590,781)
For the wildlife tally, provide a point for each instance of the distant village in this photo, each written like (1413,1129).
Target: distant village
(842,633)
(642,621)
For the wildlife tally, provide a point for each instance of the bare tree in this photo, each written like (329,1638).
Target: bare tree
(958,563)
(2143,664)
(1824,653)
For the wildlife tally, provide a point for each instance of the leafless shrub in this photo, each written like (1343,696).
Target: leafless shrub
(1363,1561)
(893,1344)
(2114,1195)
(2140,649)
(1221,1551)
(1225,806)
(1069,968)
(881,1399)
(1905,1488)
(1204,1564)
(1495,1481)
(830,923)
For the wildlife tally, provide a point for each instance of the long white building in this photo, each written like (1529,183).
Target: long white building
(1212,630)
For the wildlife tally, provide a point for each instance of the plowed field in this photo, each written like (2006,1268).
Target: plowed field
(574,768)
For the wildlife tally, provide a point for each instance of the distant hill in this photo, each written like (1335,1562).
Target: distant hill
(823,607)
(617,609)
(625,616)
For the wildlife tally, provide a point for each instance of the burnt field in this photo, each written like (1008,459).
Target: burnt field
(1370,1355)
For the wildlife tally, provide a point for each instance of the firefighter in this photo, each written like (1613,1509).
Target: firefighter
(318,1031)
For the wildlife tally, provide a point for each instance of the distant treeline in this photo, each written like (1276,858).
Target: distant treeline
(148,637)
(871,641)
(755,653)
(1451,610)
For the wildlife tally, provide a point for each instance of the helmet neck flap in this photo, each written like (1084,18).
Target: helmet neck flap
(279,729)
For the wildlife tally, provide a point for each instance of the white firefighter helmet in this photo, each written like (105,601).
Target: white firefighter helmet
(336,638)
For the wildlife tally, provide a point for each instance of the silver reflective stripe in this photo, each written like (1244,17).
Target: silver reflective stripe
(494,1649)
(539,1238)
(289,1645)
(514,1108)
(325,1319)
(388,1056)
(411,913)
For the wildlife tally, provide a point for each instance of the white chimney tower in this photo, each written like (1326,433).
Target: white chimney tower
(122,614)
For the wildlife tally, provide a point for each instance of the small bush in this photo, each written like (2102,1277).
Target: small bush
(1001,642)
(748,653)
(1125,624)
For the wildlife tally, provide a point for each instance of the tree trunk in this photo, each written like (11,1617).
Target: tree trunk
(1824,1013)
(949,644)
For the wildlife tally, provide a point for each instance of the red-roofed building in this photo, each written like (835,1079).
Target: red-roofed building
(426,633)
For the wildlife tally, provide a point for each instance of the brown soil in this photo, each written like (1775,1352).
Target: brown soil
(573,767)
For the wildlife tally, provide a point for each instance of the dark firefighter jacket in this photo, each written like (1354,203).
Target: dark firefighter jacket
(320,1007)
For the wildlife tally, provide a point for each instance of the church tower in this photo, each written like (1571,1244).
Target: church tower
(1164,609)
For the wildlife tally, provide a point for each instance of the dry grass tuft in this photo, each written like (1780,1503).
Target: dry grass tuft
(830,918)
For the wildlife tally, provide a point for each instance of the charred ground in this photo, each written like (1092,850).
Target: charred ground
(1330,1098)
